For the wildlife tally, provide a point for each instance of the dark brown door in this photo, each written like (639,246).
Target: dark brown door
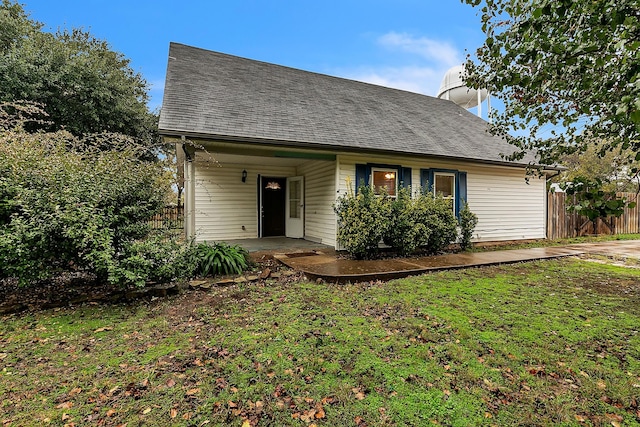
(273,206)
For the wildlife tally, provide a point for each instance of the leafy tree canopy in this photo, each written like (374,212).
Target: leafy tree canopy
(85,86)
(614,169)
(568,71)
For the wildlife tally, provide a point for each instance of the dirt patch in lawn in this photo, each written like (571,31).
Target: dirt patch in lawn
(69,289)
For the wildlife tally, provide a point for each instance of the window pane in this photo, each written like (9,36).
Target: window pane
(444,185)
(294,199)
(382,179)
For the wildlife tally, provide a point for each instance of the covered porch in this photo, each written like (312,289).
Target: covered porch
(240,193)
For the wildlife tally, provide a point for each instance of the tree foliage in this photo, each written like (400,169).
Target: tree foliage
(592,201)
(566,70)
(68,204)
(84,86)
(618,171)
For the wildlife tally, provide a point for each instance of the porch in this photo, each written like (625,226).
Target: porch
(280,245)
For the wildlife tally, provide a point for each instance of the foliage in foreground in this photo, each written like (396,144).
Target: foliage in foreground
(468,221)
(68,204)
(362,221)
(544,343)
(571,65)
(405,223)
(219,258)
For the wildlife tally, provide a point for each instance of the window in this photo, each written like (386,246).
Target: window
(294,199)
(449,183)
(385,178)
(445,185)
(378,176)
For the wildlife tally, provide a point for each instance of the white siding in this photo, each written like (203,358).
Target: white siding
(508,208)
(320,190)
(224,204)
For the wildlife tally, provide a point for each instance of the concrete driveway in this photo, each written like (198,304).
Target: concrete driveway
(614,248)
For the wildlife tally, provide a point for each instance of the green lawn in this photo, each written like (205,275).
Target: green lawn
(541,343)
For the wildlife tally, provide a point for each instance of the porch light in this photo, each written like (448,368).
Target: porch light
(272,185)
(244,175)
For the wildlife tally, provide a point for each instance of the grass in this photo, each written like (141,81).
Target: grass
(541,343)
(539,243)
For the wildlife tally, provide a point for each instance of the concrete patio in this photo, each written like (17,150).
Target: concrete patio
(272,244)
(332,268)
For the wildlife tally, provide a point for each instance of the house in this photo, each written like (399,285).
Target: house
(268,149)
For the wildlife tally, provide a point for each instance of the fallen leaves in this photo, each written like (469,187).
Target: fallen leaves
(359,394)
(192,391)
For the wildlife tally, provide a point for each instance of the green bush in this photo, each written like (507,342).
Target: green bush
(220,258)
(437,213)
(404,223)
(407,229)
(363,220)
(468,221)
(69,206)
(158,259)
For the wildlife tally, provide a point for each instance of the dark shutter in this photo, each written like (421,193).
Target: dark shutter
(426,180)
(461,191)
(362,176)
(405,177)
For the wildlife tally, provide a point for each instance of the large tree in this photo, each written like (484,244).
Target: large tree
(615,169)
(84,86)
(567,71)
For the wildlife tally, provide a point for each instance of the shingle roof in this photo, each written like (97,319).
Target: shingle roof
(220,96)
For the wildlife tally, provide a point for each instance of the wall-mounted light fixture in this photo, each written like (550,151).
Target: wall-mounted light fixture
(244,175)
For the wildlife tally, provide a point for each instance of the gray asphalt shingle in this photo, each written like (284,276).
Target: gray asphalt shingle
(227,97)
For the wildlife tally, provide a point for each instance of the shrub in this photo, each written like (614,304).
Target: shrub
(436,213)
(407,229)
(220,258)
(158,259)
(65,205)
(468,221)
(362,221)
(404,223)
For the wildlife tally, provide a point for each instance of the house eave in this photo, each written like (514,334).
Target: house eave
(337,147)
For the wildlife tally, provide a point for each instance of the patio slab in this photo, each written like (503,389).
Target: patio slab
(270,244)
(332,269)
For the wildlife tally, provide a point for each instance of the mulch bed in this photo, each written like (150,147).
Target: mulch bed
(74,288)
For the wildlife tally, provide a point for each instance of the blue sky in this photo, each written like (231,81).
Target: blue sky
(406,44)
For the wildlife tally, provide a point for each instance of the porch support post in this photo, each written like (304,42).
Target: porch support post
(189,190)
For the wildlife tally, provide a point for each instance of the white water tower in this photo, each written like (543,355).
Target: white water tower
(454,89)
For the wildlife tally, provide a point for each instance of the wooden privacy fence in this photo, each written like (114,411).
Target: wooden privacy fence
(562,224)
(171,218)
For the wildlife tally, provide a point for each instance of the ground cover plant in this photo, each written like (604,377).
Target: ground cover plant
(541,343)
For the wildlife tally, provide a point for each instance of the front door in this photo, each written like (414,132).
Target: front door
(295,207)
(273,197)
